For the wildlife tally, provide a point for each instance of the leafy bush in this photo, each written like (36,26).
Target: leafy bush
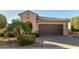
(74,22)
(3,21)
(1,34)
(10,35)
(36,34)
(26,40)
(18,28)
(6,35)
(75,30)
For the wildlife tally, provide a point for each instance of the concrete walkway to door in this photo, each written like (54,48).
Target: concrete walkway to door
(59,42)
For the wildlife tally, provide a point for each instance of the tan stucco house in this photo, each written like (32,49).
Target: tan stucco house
(45,25)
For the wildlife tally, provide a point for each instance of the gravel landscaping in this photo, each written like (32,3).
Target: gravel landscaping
(13,45)
(40,42)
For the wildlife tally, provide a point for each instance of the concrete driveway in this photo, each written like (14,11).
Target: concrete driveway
(59,42)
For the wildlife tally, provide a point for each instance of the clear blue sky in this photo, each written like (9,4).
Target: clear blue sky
(11,14)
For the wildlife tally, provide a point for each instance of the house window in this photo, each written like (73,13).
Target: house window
(27,13)
(27,17)
(66,25)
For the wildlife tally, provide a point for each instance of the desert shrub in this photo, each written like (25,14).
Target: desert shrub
(26,40)
(36,34)
(1,34)
(18,28)
(3,21)
(74,23)
(10,35)
(75,30)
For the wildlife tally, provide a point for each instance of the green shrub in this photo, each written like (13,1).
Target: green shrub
(6,35)
(1,34)
(36,34)
(75,30)
(26,40)
(3,21)
(9,35)
(74,23)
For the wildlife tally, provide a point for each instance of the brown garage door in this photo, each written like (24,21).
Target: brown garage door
(51,29)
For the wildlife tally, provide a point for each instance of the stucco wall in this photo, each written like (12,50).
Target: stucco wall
(32,18)
(69,27)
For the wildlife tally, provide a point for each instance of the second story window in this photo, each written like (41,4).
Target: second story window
(27,13)
(27,17)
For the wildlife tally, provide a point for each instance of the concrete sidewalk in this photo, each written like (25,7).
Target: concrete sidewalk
(60,44)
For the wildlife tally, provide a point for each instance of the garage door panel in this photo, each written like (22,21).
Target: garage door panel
(51,29)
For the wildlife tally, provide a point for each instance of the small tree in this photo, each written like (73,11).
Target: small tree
(18,28)
(3,21)
(22,32)
(74,22)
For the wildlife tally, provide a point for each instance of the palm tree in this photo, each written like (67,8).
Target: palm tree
(18,28)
